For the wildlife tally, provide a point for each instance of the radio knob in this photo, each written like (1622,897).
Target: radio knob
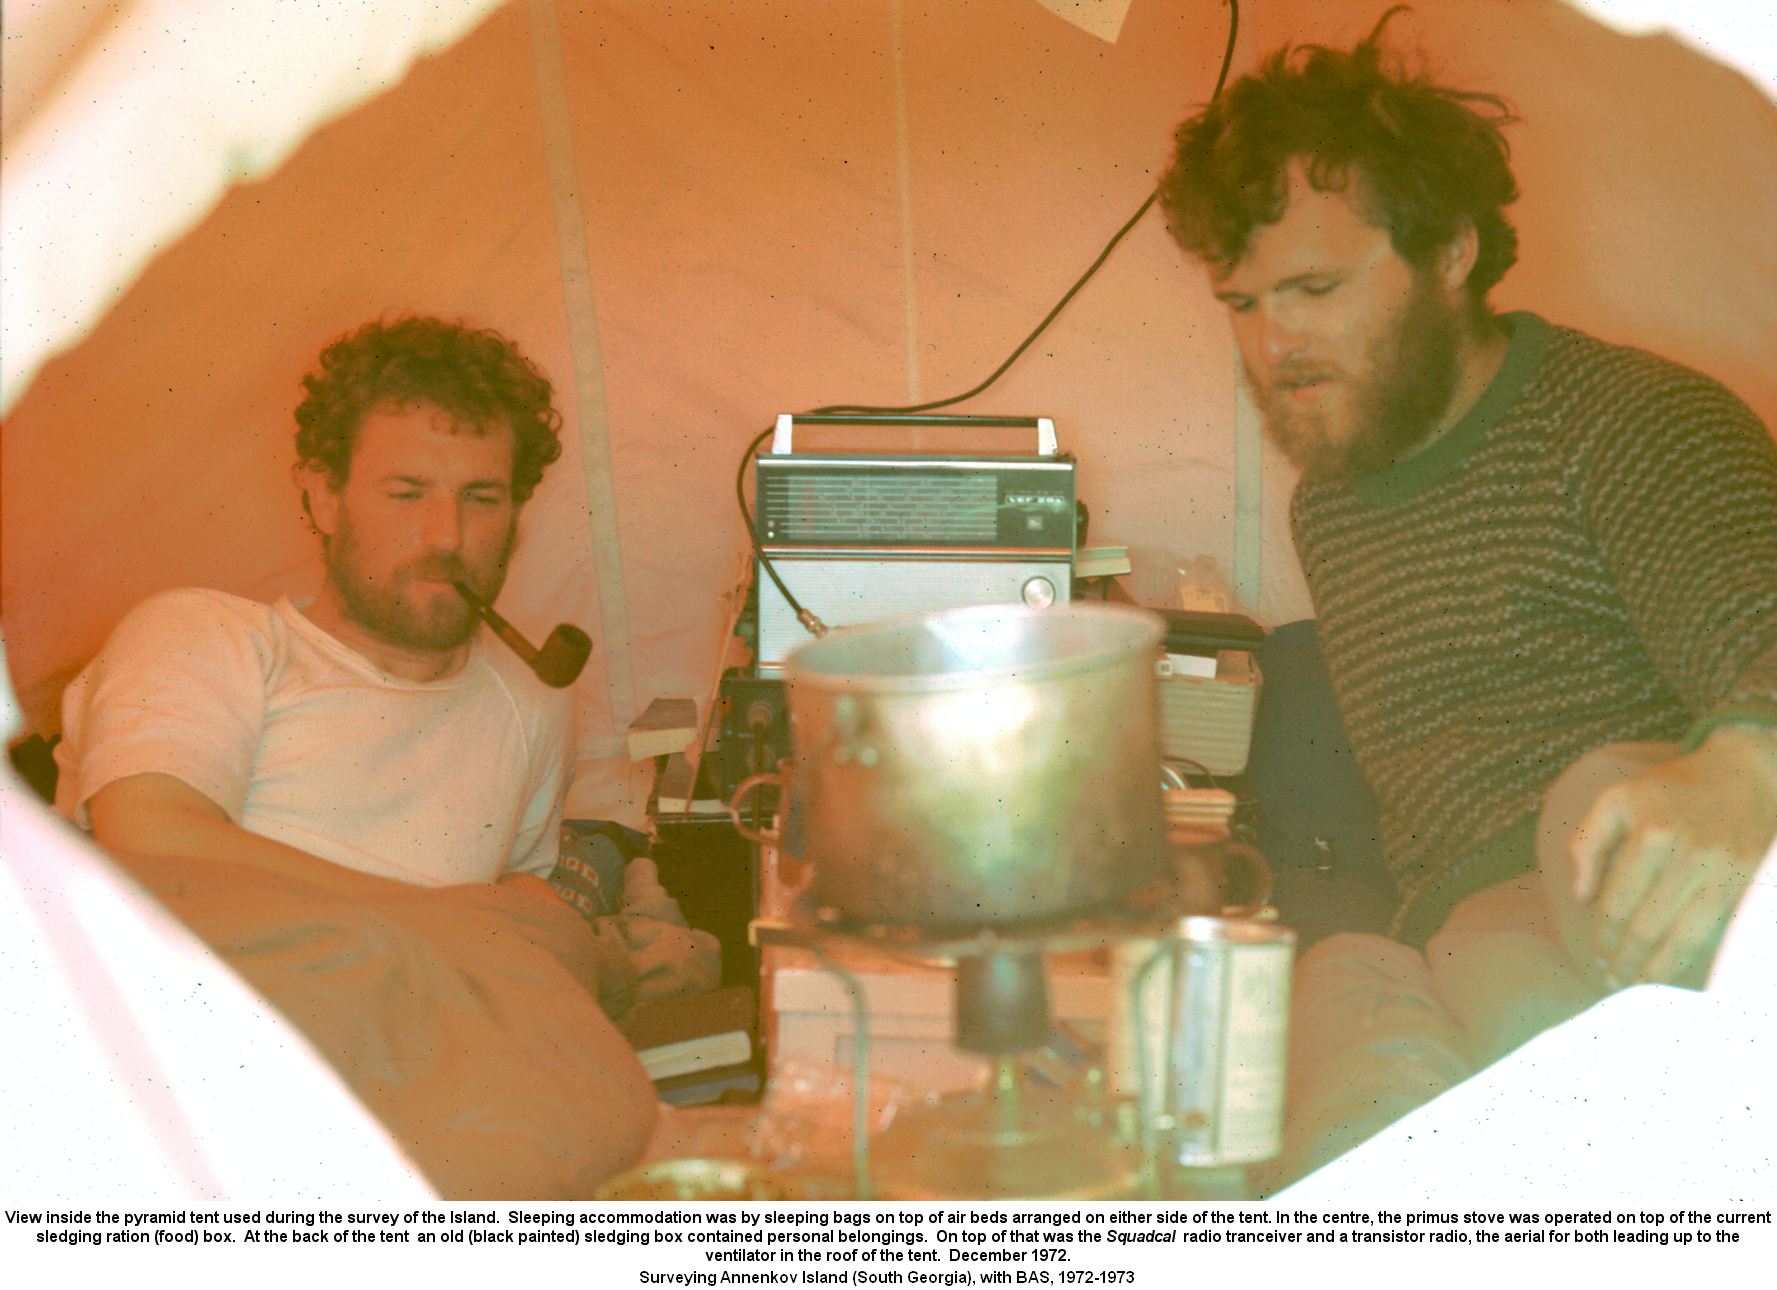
(1039,593)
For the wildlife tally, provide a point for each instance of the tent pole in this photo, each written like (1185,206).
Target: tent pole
(1249,519)
(588,360)
(904,180)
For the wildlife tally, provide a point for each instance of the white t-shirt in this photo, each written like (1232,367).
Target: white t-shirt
(305,741)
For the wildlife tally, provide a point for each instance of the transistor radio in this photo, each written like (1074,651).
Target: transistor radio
(859,537)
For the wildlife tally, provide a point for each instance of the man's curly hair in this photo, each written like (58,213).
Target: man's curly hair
(476,378)
(1426,159)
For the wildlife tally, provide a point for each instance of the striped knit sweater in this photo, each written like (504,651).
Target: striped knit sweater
(1590,555)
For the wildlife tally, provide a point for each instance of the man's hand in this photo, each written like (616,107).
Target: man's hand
(528,905)
(670,960)
(1665,857)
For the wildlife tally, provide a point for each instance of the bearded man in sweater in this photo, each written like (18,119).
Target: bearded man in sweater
(1544,567)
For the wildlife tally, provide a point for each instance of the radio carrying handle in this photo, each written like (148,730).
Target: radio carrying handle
(781,437)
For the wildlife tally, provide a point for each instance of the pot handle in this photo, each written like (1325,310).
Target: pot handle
(763,837)
(1253,887)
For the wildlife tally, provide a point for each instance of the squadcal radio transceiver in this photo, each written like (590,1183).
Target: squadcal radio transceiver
(859,537)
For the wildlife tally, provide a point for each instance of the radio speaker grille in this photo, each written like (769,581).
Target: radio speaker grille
(870,506)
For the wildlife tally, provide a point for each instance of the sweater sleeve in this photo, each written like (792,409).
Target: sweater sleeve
(1680,495)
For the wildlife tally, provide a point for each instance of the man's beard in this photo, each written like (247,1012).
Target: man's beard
(442,622)
(1408,379)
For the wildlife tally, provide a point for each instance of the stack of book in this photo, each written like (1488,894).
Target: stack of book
(1208,688)
(674,794)
(1106,560)
(1195,632)
(667,726)
(698,1048)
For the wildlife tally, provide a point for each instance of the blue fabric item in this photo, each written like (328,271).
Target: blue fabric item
(1318,826)
(590,870)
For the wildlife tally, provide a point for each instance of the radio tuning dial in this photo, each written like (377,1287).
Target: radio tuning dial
(1039,593)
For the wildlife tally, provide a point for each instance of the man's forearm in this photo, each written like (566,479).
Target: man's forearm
(180,844)
(161,817)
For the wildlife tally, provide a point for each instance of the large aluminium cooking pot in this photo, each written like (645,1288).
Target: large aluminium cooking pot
(981,768)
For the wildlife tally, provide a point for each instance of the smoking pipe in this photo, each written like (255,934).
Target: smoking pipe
(563,656)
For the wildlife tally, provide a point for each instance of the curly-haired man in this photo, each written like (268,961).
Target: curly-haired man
(1544,568)
(356,799)
(370,727)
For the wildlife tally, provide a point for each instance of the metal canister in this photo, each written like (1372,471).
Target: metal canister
(1199,1032)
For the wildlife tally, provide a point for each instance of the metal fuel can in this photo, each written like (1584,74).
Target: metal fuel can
(1199,1034)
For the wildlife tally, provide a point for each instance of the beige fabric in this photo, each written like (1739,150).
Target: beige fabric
(1377,1029)
(140,1068)
(1369,1041)
(1501,972)
(457,1015)
(1654,1092)
(1513,960)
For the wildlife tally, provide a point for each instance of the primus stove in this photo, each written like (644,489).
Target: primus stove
(979,788)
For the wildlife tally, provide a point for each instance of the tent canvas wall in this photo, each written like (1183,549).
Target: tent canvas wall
(699,215)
